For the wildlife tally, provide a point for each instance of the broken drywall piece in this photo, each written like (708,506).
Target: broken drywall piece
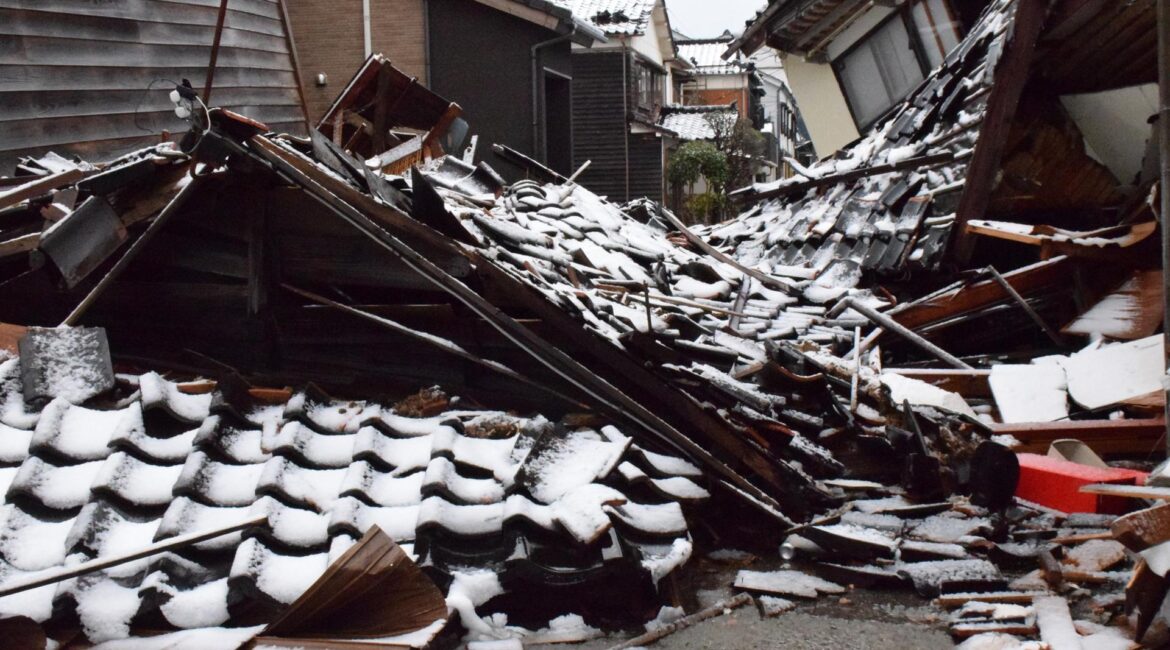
(920,393)
(1114,374)
(1029,393)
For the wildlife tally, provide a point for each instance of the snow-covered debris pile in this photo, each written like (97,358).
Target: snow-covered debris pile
(887,202)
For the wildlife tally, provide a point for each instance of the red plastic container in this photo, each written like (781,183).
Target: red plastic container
(1056,483)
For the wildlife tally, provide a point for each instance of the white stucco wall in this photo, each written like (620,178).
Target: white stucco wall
(823,107)
(1114,126)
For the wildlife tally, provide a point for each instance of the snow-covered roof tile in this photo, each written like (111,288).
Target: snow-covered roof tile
(323,471)
(707,56)
(694,122)
(615,17)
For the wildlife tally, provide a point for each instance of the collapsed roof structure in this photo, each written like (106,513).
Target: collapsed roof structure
(721,369)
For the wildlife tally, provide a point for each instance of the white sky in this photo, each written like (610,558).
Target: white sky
(708,18)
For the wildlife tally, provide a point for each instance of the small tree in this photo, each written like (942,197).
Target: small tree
(692,161)
(741,144)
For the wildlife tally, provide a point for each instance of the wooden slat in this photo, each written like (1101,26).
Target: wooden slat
(32,105)
(17,22)
(1139,436)
(35,77)
(64,51)
(194,12)
(38,186)
(1128,491)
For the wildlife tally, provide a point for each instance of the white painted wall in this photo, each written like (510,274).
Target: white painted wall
(649,44)
(1115,126)
(823,107)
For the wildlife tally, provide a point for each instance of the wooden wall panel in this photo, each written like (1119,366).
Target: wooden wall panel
(92,78)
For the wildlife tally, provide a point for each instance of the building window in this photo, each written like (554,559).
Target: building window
(879,71)
(647,86)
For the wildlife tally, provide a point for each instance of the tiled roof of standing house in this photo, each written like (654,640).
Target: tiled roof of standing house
(707,56)
(620,17)
(693,122)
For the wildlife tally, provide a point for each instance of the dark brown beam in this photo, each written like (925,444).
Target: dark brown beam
(1010,79)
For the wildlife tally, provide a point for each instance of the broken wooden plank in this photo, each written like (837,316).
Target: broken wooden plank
(967,383)
(39,185)
(718,609)
(1128,491)
(1056,624)
(1142,529)
(951,601)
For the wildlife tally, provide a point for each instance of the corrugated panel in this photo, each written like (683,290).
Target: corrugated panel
(599,122)
(93,78)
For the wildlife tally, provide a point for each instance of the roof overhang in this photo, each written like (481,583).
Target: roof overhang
(802,27)
(552,16)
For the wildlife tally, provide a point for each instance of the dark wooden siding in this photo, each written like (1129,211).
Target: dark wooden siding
(481,58)
(646,166)
(93,78)
(599,121)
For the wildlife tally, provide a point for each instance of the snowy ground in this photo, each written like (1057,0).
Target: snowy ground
(858,619)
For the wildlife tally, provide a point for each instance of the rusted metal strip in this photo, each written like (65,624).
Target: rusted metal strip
(215,50)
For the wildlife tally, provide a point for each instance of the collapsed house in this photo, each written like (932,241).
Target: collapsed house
(707,387)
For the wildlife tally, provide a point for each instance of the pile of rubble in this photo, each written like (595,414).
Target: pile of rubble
(630,389)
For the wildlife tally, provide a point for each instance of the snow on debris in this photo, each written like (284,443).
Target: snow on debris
(786,583)
(322,481)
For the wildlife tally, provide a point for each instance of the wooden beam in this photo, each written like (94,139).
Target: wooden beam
(1128,491)
(215,51)
(1011,76)
(844,177)
(1026,280)
(968,383)
(1137,436)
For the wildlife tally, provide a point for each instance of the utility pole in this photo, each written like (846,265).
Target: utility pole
(1164,185)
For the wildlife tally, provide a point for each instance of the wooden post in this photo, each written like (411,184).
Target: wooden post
(1164,151)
